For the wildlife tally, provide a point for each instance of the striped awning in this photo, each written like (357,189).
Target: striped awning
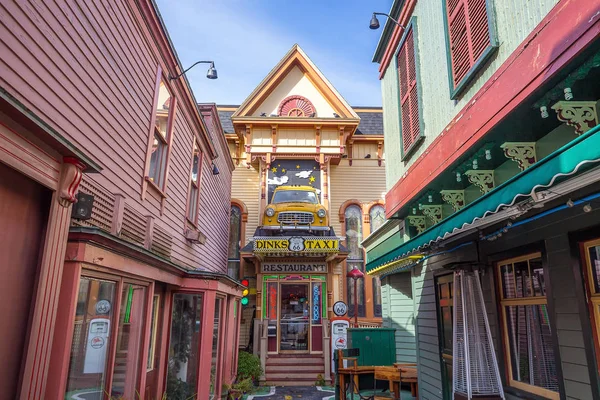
(574,157)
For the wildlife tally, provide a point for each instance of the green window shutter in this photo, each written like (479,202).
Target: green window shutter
(406,63)
(470,39)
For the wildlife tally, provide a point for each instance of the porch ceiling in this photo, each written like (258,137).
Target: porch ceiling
(575,157)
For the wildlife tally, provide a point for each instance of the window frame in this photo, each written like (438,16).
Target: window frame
(110,358)
(456,91)
(362,312)
(412,26)
(526,300)
(593,300)
(193,219)
(161,189)
(238,259)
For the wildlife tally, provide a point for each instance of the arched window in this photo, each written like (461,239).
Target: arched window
(376,217)
(354,235)
(235,225)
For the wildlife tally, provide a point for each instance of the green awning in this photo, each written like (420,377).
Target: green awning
(568,160)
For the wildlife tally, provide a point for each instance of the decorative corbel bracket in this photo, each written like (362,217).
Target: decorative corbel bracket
(70,178)
(342,132)
(433,212)
(379,152)
(274,138)
(483,179)
(318,138)
(350,144)
(418,221)
(523,153)
(456,198)
(581,115)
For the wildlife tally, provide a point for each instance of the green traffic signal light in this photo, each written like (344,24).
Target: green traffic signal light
(244,301)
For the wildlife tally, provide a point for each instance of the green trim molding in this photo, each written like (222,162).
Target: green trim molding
(570,159)
(487,53)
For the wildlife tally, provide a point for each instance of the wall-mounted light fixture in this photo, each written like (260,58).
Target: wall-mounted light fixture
(374,24)
(215,169)
(210,74)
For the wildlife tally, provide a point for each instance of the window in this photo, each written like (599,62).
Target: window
(470,40)
(376,217)
(161,137)
(294,196)
(527,332)
(592,260)
(235,231)
(406,63)
(153,332)
(194,197)
(96,315)
(184,345)
(354,235)
(214,381)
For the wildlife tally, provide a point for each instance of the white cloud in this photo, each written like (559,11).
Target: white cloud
(304,174)
(278,180)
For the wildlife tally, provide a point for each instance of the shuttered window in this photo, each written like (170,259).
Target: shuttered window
(470,39)
(409,93)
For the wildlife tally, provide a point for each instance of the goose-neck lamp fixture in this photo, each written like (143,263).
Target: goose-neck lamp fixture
(210,74)
(375,22)
(355,274)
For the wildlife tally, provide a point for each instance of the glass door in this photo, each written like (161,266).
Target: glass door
(294,322)
(444,297)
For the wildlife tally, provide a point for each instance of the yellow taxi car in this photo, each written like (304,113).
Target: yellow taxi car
(295,207)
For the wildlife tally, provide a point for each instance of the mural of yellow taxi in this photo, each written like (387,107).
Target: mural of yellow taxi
(295,207)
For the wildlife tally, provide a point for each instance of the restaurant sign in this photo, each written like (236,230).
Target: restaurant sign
(295,244)
(294,267)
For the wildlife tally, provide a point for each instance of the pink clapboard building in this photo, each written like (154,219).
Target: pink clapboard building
(114,211)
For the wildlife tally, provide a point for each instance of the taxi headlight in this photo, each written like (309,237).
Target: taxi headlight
(270,212)
(322,213)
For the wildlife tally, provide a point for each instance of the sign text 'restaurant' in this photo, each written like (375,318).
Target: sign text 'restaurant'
(295,267)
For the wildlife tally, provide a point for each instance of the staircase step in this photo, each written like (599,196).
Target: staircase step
(293,376)
(294,361)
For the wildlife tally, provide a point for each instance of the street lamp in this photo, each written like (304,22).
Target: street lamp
(375,22)
(355,274)
(210,74)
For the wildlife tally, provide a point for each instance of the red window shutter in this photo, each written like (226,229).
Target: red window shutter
(409,97)
(469,34)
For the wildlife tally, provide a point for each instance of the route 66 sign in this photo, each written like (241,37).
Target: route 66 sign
(103,307)
(340,308)
(296,243)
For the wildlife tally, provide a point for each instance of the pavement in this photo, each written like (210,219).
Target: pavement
(295,393)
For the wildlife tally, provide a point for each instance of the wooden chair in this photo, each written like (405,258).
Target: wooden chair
(393,376)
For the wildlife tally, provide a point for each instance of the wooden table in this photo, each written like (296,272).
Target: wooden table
(399,373)
(352,374)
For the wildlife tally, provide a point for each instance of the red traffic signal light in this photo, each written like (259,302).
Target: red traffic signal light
(245,282)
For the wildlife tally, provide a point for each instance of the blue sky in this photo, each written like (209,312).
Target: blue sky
(246,38)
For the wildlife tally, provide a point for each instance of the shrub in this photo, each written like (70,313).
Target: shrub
(320,380)
(248,366)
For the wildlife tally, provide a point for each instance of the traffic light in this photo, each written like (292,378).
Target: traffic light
(245,292)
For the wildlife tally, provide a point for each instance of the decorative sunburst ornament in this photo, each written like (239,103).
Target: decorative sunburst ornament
(296,106)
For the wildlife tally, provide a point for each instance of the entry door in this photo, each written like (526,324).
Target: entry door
(591,256)
(294,318)
(444,286)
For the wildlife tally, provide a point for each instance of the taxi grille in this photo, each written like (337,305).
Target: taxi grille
(295,218)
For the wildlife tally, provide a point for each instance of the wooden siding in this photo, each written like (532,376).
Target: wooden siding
(246,187)
(363,181)
(88,70)
(565,303)
(398,311)
(515,19)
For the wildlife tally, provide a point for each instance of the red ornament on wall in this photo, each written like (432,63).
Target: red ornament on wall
(296,106)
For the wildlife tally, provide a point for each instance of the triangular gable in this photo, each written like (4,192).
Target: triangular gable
(296,70)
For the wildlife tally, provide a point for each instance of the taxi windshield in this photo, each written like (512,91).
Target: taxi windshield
(294,196)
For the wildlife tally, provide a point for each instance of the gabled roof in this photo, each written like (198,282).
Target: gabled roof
(295,58)
(371,119)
